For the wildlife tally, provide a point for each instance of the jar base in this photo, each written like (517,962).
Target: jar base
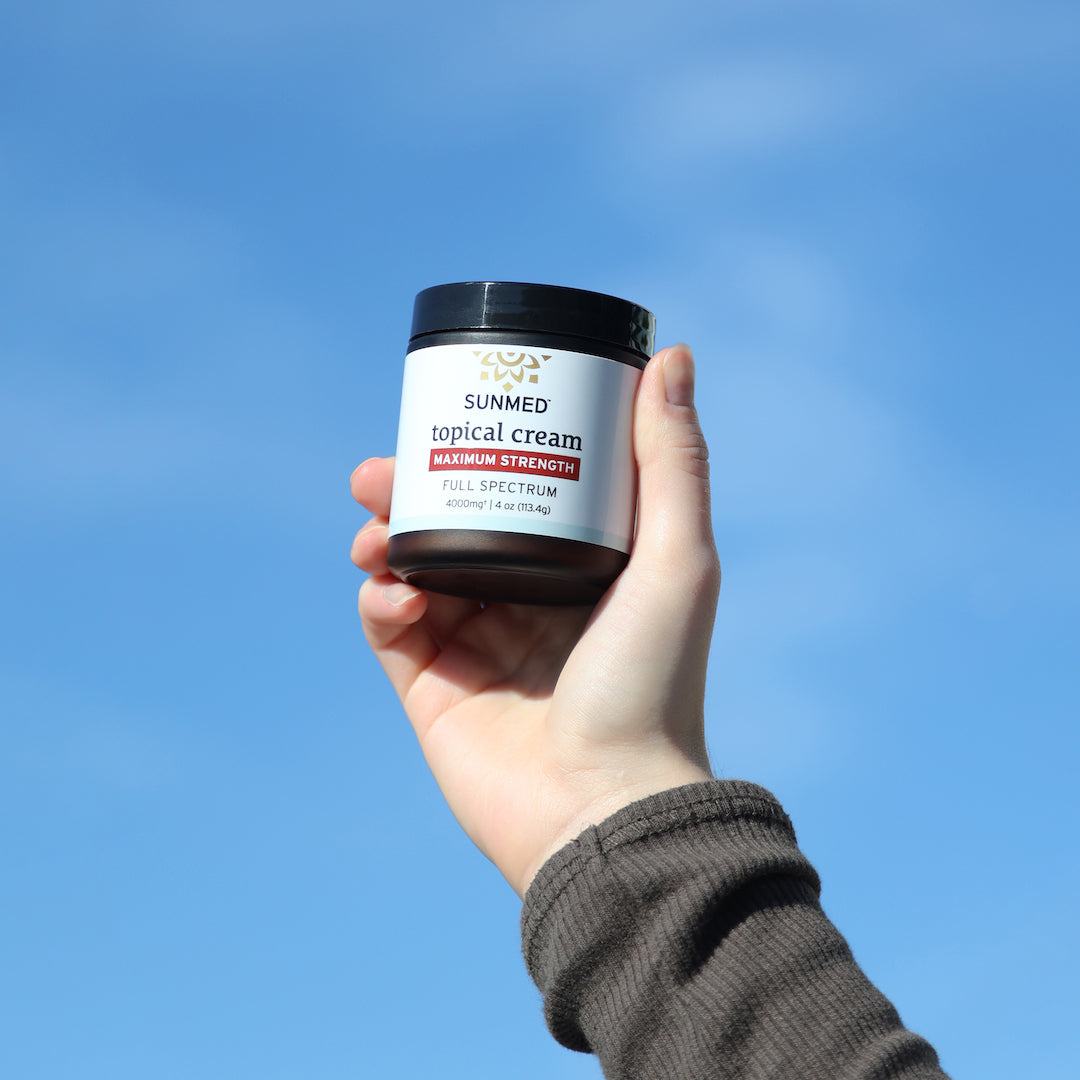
(505,567)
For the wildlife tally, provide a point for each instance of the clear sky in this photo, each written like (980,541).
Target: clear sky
(220,853)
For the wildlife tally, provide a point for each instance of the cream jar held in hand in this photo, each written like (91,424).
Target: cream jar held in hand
(515,477)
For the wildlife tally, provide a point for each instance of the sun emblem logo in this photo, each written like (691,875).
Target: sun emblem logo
(509,369)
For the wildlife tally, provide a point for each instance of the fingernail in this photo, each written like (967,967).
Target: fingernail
(679,375)
(359,469)
(398,593)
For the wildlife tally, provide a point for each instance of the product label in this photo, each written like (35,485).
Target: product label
(515,438)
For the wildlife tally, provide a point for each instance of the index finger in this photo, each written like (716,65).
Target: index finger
(371,482)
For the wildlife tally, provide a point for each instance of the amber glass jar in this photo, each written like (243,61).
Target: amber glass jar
(515,476)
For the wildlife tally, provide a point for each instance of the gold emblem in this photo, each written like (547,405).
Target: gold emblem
(509,368)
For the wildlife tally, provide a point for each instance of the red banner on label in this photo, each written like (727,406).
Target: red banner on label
(473,458)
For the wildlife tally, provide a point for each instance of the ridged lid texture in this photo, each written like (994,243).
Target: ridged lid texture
(545,309)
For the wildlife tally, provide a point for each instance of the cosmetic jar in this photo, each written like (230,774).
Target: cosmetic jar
(515,478)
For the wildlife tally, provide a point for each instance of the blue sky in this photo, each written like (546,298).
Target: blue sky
(222,854)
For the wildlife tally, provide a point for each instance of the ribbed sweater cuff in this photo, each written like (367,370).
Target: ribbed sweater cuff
(613,884)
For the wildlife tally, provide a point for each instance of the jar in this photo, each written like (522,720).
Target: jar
(515,477)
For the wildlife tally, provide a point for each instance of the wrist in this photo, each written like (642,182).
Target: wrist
(606,799)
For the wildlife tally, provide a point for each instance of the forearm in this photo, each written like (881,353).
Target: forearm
(683,938)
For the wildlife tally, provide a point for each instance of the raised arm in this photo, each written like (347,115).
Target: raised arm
(670,920)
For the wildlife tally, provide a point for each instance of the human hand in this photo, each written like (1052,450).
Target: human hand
(540,721)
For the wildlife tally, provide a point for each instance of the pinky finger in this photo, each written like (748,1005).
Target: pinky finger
(388,605)
(394,625)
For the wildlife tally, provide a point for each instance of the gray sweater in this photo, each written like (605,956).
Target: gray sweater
(683,938)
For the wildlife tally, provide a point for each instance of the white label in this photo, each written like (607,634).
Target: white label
(515,438)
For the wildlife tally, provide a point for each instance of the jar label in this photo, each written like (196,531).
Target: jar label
(515,438)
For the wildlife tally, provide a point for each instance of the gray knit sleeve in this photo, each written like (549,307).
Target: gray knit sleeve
(682,939)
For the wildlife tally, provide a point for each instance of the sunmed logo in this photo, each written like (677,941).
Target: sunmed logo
(513,367)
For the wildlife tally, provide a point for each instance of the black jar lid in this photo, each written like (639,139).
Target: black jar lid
(545,309)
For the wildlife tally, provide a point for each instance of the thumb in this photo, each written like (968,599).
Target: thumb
(674,530)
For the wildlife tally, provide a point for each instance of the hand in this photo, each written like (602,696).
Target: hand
(539,721)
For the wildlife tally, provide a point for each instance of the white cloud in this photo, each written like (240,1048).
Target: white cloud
(843,505)
(959,40)
(790,286)
(211,378)
(793,434)
(746,106)
(792,441)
